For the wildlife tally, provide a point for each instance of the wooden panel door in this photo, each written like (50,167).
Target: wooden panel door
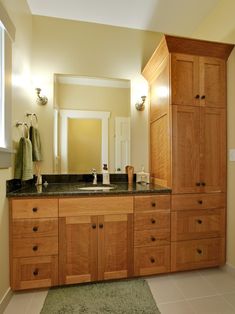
(213,150)
(78,249)
(186,149)
(185,79)
(115,246)
(212,73)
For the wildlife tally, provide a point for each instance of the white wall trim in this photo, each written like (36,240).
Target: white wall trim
(5,300)
(79,114)
(229,268)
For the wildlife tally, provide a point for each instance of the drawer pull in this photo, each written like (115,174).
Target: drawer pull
(35,272)
(197,96)
(101,226)
(153,204)
(152,260)
(153,239)
(198,183)
(34,209)
(35,229)
(199,251)
(203,97)
(35,248)
(153,221)
(199,221)
(93,226)
(203,184)
(200,201)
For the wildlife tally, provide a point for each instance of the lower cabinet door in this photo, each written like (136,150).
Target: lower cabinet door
(151,260)
(186,255)
(34,272)
(78,249)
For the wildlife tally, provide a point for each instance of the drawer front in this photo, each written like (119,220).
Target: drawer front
(34,272)
(186,255)
(23,228)
(152,220)
(152,202)
(197,224)
(151,260)
(198,201)
(151,237)
(29,247)
(95,206)
(34,208)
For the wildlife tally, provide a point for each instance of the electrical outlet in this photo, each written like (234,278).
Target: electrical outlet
(232,154)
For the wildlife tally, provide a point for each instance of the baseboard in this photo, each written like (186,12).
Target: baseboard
(5,300)
(229,268)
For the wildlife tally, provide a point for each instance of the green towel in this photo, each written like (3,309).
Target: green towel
(23,161)
(36,143)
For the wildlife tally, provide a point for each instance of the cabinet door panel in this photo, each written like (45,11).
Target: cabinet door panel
(213,152)
(115,245)
(78,249)
(186,149)
(212,82)
(185,80)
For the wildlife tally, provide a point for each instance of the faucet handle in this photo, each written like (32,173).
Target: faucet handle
(93,170)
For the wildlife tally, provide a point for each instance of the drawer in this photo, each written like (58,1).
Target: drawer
(151,260)
(95,206)
(186,255)
(23,228)
(198,201)
(151,237)
(152,220)
(34,272)
(28,247)
(34,208)
(197,224)
(152,202)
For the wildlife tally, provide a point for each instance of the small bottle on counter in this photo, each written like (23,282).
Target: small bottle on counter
(106,179)
(142,177)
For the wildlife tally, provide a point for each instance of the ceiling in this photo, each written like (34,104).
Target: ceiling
(167,16)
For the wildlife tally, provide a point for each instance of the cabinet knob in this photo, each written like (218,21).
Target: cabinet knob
(203,184)
(153,204)
(35,272)
(199,251)
(200,201)
(198,183)
(35,248)
(35,229)
(153,221)
(197,96)
(152,260)
(34,209)
(203,97)
(93,226)
(153,239)
(101,226)
(199,221)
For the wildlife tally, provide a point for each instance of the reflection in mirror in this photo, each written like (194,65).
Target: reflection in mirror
(92,124)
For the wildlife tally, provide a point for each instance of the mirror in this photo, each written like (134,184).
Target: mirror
(91,124)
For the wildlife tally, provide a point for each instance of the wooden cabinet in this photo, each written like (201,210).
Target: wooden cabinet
(151,234)
(33,243)
(95,244)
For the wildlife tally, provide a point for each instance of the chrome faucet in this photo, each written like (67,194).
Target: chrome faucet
(94,173)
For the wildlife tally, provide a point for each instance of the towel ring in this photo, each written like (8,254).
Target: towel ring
(32,115)
(24,127)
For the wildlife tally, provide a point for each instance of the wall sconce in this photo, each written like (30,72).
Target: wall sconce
(140,105)
(41,100)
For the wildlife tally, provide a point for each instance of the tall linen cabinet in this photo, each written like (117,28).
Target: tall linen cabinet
(187,80)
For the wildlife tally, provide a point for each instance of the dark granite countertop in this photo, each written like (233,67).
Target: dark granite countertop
(72,189)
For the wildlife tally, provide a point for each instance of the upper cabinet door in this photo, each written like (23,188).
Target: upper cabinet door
(213,150)
(186,149)
(212,82)
(185,80)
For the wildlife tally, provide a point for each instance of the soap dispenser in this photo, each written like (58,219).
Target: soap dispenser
(106,179)
(142,176)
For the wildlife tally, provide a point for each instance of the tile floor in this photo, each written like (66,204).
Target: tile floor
(209,291)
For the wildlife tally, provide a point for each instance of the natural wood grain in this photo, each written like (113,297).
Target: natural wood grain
(151,237)
(159,220)
(152,202)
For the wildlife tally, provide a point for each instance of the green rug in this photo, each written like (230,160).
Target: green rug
(119,297)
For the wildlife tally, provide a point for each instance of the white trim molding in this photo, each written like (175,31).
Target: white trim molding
(5,300)
(79,114)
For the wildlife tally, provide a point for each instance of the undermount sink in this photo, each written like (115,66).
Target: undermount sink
(97,188)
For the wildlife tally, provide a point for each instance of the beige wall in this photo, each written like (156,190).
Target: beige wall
(79,48)
(220,26)
(96,98)
(22,103)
